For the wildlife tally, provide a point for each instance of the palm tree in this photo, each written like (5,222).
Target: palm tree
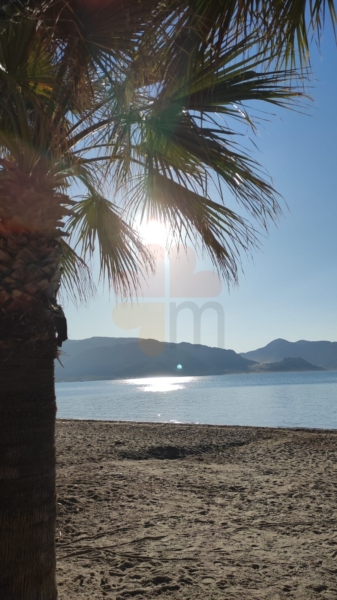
(106,115)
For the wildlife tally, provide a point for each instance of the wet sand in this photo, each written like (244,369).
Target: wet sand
(195,511)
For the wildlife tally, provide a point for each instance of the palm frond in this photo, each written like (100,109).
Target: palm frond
(286,27)
(97,225)
(89,37)
(76,278)
(192,217)
(154,98)
(295,23)
(182,138)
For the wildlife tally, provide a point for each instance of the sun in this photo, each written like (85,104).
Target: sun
(154,232)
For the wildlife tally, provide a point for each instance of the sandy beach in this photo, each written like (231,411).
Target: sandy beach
(195,512)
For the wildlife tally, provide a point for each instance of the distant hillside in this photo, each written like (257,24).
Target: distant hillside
(323,354)
(118,358)
(286,365)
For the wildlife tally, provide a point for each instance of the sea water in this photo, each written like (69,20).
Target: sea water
(271,400)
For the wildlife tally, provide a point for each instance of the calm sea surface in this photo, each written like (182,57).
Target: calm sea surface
(274,400)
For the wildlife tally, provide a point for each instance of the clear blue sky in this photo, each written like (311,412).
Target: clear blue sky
(289,290)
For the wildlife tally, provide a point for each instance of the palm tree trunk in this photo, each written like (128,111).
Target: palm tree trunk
(27,472)
(29,279)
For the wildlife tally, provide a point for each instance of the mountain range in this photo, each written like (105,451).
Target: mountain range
(119,358)
(322,354)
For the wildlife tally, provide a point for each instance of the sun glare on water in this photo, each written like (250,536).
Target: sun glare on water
(160,384)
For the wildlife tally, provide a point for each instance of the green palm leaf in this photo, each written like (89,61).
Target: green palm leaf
(177,147)
(76,282)
(141,122)
(286,27)
(96,224)
(201,221)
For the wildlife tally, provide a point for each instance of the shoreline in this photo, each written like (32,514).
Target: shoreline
(189,424)
(178,511)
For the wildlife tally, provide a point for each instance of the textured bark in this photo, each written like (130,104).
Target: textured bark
(27,473)
(29,280)
(30,213)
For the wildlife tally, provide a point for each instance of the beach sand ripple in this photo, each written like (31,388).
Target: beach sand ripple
(196,512)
